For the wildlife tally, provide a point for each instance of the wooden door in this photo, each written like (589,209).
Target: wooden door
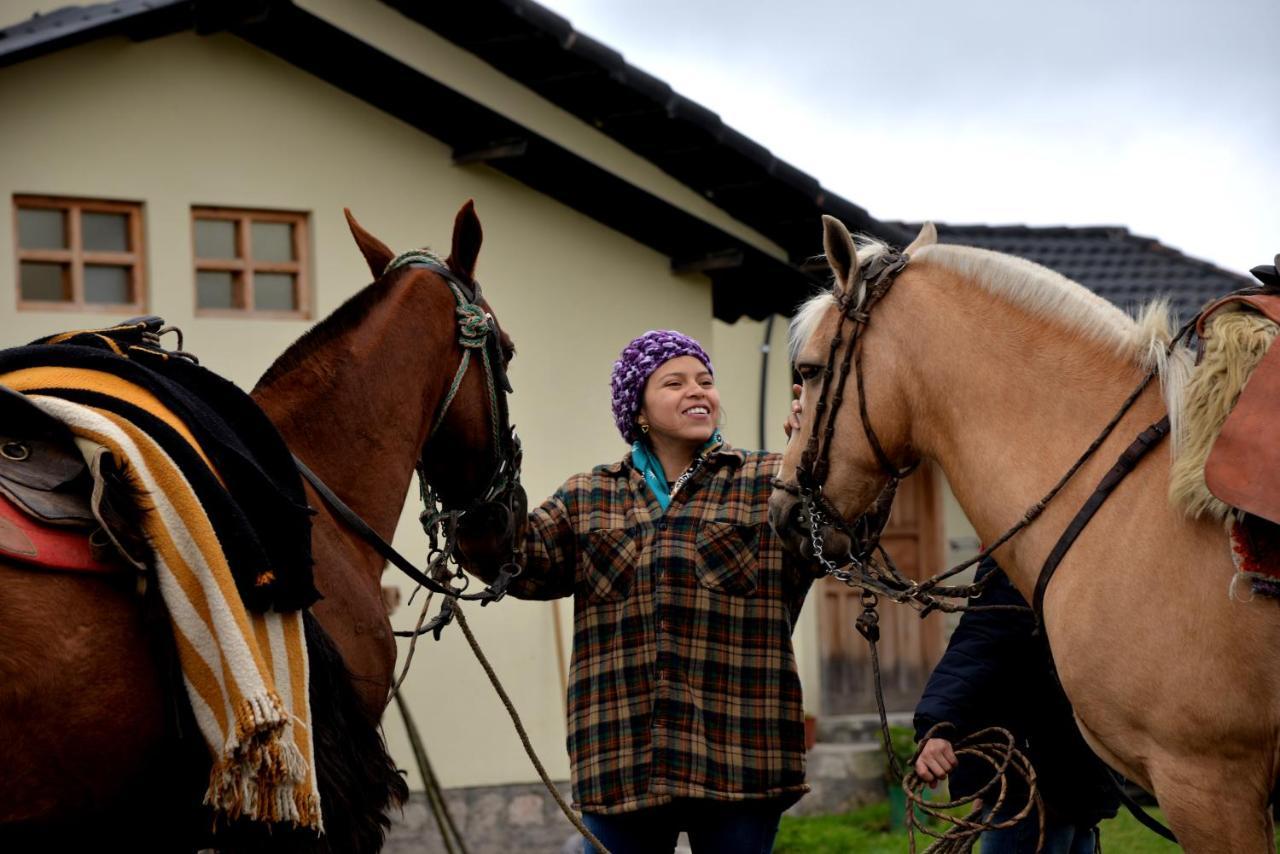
(909,646)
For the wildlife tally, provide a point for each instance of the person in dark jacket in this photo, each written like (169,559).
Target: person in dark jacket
(998,672)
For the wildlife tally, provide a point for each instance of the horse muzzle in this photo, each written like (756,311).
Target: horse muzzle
(784,517)
(787,517)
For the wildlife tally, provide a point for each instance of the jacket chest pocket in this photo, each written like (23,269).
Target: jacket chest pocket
(609,564)
(727,561)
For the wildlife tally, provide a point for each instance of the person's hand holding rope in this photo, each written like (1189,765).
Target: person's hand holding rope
(937,759)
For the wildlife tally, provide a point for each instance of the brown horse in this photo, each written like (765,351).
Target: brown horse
(1004,372)
(87,705)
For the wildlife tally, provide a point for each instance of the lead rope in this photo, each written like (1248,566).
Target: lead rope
(573,817)
(449,834)
(995,746)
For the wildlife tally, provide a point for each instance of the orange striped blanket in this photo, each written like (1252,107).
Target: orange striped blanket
(246,672)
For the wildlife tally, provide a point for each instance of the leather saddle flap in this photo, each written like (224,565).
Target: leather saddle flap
(1243,469)
(40,467)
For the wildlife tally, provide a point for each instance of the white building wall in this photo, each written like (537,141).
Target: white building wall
(185,120)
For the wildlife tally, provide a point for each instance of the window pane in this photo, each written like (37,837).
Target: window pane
(272,241)
(215,238)
(106,284)
(45,282)
(104,232)
(42,228)
(215,289)
(273,292)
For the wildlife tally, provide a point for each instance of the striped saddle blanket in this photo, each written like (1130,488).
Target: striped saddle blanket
(233,601)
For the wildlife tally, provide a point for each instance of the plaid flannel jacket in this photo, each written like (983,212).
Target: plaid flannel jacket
(683,682)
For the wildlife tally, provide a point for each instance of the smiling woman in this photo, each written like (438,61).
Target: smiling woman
(684,701)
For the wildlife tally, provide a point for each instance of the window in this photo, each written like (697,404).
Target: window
(250,262)
(79,254)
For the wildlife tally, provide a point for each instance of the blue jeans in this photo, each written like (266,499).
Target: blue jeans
(714,827)
(1058,838)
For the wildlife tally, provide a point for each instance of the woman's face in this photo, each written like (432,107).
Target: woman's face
(681,402)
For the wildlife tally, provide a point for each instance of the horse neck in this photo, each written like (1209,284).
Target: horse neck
(357,410)
(1006,402)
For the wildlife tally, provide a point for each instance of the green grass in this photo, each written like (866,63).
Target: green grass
(866,831)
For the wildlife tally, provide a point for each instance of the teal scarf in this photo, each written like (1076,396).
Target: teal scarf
(647,463)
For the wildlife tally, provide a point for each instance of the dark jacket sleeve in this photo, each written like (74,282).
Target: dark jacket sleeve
(986,654)
(997,671)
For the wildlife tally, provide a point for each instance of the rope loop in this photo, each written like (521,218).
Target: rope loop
(473,325)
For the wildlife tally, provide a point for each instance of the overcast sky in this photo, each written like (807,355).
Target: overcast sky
(1159,115)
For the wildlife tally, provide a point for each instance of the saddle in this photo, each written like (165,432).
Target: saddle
(45,492)
(1244,462)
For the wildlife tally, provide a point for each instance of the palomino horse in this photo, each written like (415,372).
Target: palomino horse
(1003,372)
(85,719)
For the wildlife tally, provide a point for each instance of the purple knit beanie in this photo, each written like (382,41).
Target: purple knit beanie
(637,363)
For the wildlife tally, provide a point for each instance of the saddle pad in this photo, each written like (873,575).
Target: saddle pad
(48,546)
(1243,469)
(1267,305)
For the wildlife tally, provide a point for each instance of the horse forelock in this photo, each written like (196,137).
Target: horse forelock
(810,313)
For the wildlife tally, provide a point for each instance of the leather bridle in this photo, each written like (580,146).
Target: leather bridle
(477,332)
(880,575)
(855,303)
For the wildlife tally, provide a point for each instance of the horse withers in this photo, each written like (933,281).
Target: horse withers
(1003,372)
(98,742)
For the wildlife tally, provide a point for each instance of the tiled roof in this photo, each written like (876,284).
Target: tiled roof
(1127,269)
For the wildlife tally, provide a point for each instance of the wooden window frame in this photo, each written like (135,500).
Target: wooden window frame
(76,257)
(243,266)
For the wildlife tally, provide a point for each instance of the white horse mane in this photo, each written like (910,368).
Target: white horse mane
(1043,293)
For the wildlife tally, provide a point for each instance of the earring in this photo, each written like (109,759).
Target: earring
(644,428)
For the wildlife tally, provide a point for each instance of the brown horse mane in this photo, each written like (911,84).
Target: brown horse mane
(346,317)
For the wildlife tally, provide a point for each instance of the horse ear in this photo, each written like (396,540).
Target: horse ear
(467,236)
(927,237)
(375,252)
(841,254)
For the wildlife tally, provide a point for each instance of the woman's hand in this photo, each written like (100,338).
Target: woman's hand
(936,761)
(792,424)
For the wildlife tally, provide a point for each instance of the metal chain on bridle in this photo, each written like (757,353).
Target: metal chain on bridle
(870,568)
